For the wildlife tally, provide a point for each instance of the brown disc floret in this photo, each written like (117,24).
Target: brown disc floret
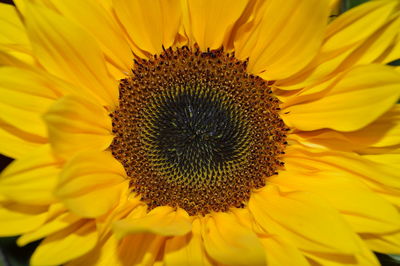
(194,130)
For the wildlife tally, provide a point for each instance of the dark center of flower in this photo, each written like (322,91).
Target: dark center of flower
(194,130)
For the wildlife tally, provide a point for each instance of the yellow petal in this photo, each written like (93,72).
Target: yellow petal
(10,59)
(380,47)
(101,254)
(15,143)
(107,5)
(394,54)
(369,171)
(387,244)
(346,106)
(378,175)
(22,5)
(357,24)
(390,194)
(364,257)
(361,35)
(334,5)
(20,118)
(98,22)
(91,183)
(9,56)
(281,252)
(12,29)
(284,37)
(364,210)
(13,38)
(65,245)
(104,254)
(18,218)
(186,250)
(388,165)
(35,82)
(50,227)
(147,247)
(111,251)
(339,260)
(150,24)
(209,23)
(69,52)
(127,204)
(383,132)
(25,96)
(390,159)
(31,179)
(229,243)
(77,124)
(164,221)
(293,215)
(13,112)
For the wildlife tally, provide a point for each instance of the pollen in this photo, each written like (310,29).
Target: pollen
(195,130)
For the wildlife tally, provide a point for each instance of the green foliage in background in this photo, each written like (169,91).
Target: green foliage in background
(347,4)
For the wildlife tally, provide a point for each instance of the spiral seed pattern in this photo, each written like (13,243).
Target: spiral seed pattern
(194,130)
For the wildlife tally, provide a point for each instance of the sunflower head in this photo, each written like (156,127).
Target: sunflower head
(200,132)
(195,130)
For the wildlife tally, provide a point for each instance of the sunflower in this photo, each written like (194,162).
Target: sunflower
(200,132)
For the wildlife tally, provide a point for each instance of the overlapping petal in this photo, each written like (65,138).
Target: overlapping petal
(13,37)
(91,183)
(369,171)
(25,95)
(163,221)
(67,244)
(224,238)
(281,252)
(388,243)
(365,34)
(103,27)
(8,59)
(382,133)
(210,23)
(31,179)
(283,38)
(187,249)
(69,52)
(345,104)
(150,24)
(147,248)
(100,254)
(56,223)
(12,32)
(15,143)
(293,215)
(23,100)
(363,209)
(16,218)
(77,124)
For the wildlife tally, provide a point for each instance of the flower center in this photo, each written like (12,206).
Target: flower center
(194,130)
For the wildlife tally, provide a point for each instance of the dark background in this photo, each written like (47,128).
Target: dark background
(12,255)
